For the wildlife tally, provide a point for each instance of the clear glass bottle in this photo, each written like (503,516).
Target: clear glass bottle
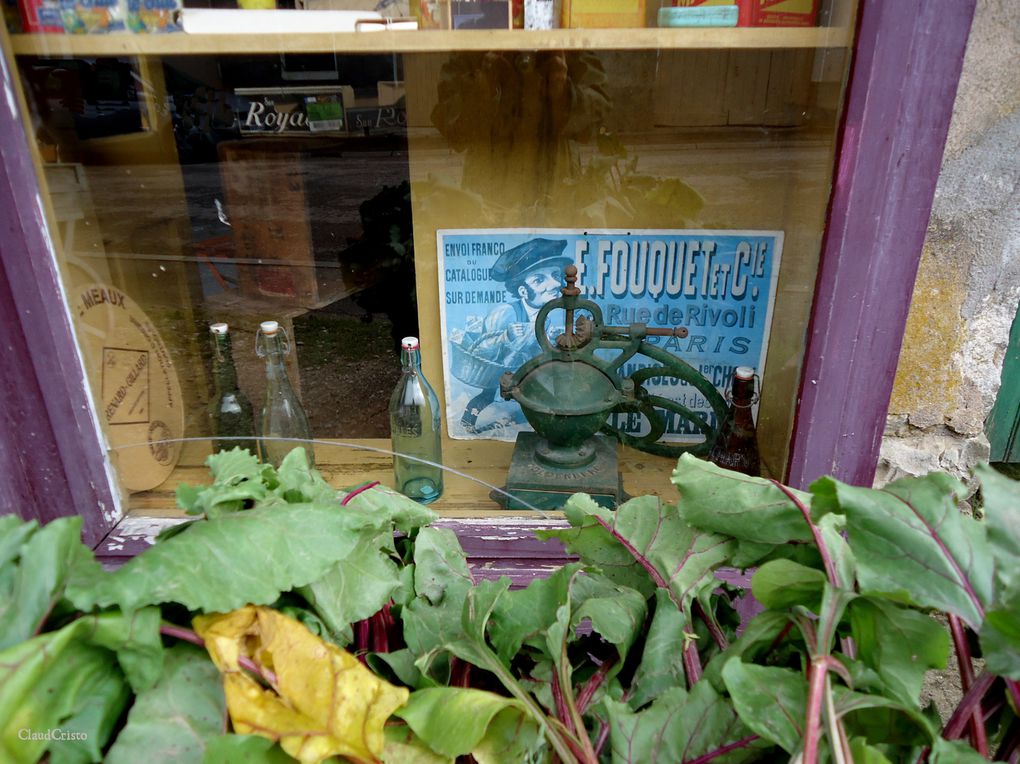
(736,448)
(230,411)
(415,429)
(282,416)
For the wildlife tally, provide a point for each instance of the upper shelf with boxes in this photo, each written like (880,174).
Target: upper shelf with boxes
(171,27)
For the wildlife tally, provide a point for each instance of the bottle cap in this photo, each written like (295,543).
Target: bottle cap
(744,372)
(269,328)
(409,343)
(219,328)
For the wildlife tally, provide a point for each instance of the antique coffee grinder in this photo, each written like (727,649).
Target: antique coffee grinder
(567,393)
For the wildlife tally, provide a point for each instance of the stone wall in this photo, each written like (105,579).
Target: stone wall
(968,284)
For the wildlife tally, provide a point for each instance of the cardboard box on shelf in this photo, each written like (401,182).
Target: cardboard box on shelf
(778,13)
(603,14)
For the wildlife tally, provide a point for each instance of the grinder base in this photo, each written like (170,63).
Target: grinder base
(544,487)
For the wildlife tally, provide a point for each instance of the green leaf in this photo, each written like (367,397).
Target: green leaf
(401,663)
(220,564)
(617,613)
(13,533)
(356,587)
(404,747)
(406,514)
(833,530)
(86,732)
(881,719)
(172,721)
(677,727)
(526,614)
(243,749)
(954,752)
(913,544)
(662,665)
(749,508)
(900,644)
(441,582)
(237,480)
(596,546)
(1002,516)
(48,680)
(51,559)
(771,701)
(299,482)
(760,634)
(781,584)
(660,544)
(454,721)
(512,736)
(866,754)
(1000,640)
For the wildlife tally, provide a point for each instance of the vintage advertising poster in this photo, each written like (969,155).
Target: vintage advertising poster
(720,285)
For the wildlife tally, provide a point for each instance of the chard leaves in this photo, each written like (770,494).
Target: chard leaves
(36,567)
(912,544)
(747,508)
(172,722)
(679,726)
(455,722)
(662,549)
(221,564)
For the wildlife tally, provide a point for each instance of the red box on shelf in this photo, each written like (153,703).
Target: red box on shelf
(40,16)
(778,13)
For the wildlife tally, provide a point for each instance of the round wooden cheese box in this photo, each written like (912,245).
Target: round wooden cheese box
(134,385)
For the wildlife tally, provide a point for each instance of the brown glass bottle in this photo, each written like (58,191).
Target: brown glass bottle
(736,448)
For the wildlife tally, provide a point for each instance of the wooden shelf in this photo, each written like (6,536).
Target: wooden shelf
(430,41)
(484,461)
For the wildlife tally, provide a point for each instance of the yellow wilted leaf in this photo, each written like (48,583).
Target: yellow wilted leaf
(323,702)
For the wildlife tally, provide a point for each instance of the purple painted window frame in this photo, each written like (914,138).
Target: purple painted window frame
(907,61)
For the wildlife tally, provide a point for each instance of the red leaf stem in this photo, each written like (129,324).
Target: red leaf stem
(830,566)
(603,736)
(592,685)
(707,757)
(640,558)
(713,628)
(692,664)
(562,712)
(978,734)
(813,720)
(460,672)
(779,638)
(971,700)
(362,638)
(356,491)
(187,635)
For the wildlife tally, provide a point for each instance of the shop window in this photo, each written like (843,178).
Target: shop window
(357,198)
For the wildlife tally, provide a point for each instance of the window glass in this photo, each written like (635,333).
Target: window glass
(359,198)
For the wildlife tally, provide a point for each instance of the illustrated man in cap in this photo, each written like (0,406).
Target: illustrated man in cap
(533,275)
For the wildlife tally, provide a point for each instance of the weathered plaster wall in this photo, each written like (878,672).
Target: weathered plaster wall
(968,284)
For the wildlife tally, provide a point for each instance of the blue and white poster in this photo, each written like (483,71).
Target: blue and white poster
(719,285)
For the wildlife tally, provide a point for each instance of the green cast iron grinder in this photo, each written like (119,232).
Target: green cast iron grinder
(567,394)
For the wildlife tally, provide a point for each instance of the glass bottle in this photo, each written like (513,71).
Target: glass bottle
(736,448)
(415,429)
(230,411)
(282,415)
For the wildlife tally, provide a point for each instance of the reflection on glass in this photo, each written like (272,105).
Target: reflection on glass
(310,189)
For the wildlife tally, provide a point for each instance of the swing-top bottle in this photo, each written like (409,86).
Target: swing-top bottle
(230,411)
(736,447)
(415,430)
(282,416)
